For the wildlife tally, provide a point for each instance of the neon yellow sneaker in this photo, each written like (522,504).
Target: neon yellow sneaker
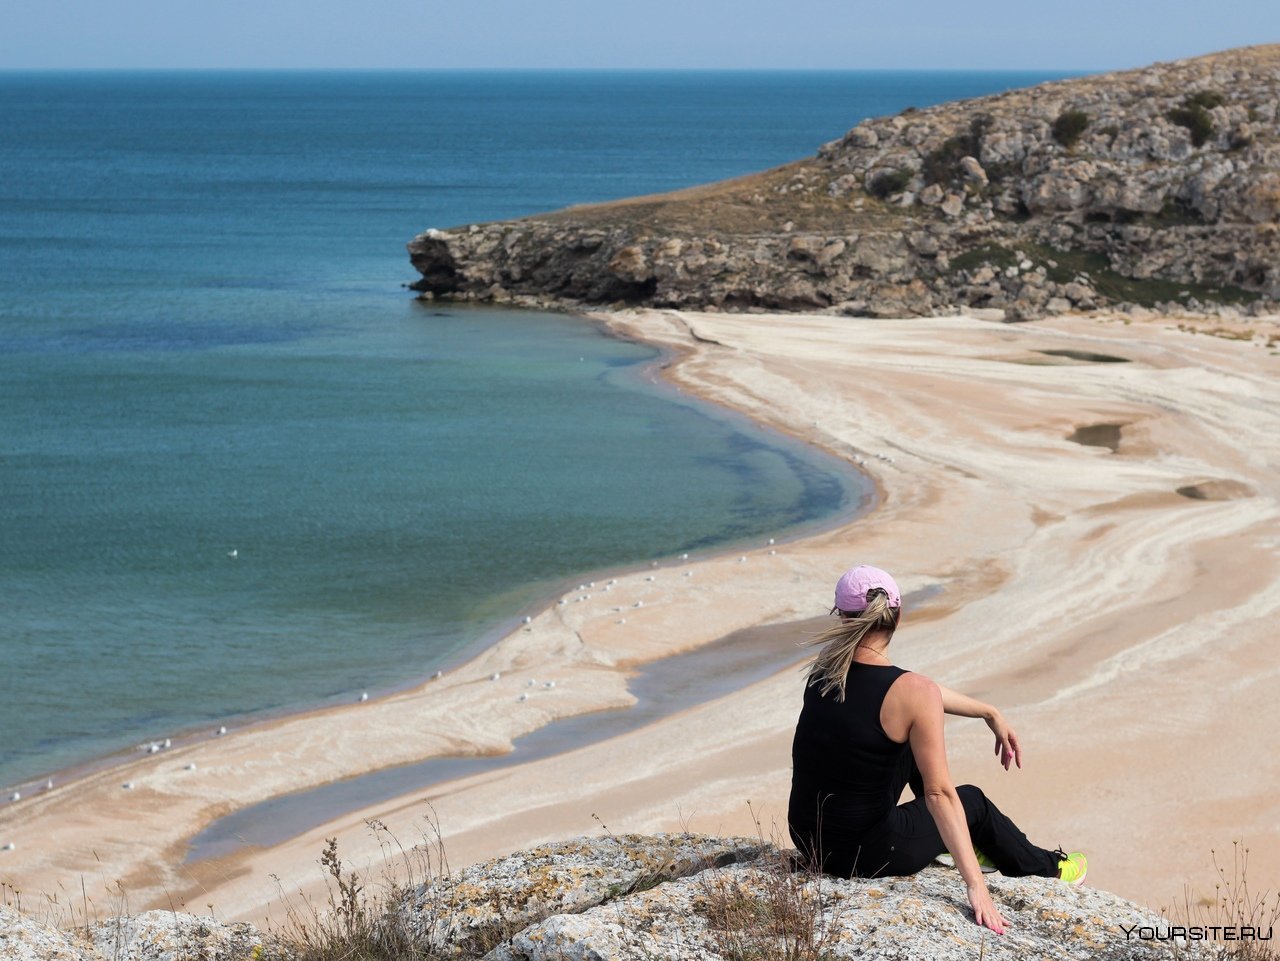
(1072,867)
(983,861)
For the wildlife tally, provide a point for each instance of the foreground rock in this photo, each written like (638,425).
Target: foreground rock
(758,910)
(483,904)
(172,936)
(662,898)
(25,939)
(1157,187)
(151,936)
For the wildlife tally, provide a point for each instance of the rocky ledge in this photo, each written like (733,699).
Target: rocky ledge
(1157,187)
(651,899)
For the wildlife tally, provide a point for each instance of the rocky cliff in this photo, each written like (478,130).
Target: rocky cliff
(1158,187)
(661,898)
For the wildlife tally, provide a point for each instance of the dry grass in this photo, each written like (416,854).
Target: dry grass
(361,918)
(1233,905)
(358,922)
(69,910)
(777,913)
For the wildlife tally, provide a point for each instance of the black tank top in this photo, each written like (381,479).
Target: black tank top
(843,765)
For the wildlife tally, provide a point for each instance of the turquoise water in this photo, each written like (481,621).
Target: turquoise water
(205,349)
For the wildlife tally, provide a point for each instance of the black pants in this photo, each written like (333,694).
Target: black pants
(907,838)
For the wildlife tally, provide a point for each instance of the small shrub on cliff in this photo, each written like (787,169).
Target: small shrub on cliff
(1070,127)
(1205,99)
(940,164)
(1194,115)
(889,182)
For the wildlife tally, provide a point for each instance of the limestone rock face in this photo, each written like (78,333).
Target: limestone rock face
(172,936)
(757,911)
(483,904)
(662,898)
(25,939)
(1136,184)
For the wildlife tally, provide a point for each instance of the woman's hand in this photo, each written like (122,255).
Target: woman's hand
(984,911)
(1007,747)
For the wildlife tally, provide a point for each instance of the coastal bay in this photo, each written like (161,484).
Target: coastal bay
(1070,589)
(244,474)
(1083,510)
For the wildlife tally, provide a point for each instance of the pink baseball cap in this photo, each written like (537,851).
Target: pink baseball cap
(855,584)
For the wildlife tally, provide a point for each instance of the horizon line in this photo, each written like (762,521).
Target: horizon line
(544,69)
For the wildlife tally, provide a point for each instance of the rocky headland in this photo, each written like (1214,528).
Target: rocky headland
(657,898)
(1155,188)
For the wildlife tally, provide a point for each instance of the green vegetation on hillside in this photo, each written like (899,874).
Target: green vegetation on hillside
(1064,266)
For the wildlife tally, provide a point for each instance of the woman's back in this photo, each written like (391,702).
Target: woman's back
(845,769)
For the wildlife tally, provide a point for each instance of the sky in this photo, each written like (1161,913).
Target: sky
(705,34)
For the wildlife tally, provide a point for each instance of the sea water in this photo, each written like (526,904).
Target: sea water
(242,470)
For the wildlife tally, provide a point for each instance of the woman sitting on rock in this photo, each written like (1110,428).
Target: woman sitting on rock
(867,730)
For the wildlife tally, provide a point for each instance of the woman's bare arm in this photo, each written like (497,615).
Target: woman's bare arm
(923,704)
(961,705)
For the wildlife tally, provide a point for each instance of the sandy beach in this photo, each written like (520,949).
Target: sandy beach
(1118,605)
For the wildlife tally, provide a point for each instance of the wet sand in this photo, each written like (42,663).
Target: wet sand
(1118,605)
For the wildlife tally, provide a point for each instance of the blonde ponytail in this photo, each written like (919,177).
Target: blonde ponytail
(831,667)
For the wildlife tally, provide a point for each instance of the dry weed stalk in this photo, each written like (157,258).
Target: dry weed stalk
(356,922)
(1233,905)
(778,913)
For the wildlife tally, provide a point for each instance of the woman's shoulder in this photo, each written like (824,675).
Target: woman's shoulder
(917,688)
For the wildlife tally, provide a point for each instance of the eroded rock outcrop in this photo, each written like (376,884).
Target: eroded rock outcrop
(757,910)
(174,936)
(660,898)
(150,936)
(480,906)
(25,939)
(1158,186)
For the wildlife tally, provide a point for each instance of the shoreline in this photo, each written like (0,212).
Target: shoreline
(982,493)
(859,485)
(863,491)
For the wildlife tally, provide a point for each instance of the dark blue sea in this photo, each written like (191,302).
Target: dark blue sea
(242,470)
